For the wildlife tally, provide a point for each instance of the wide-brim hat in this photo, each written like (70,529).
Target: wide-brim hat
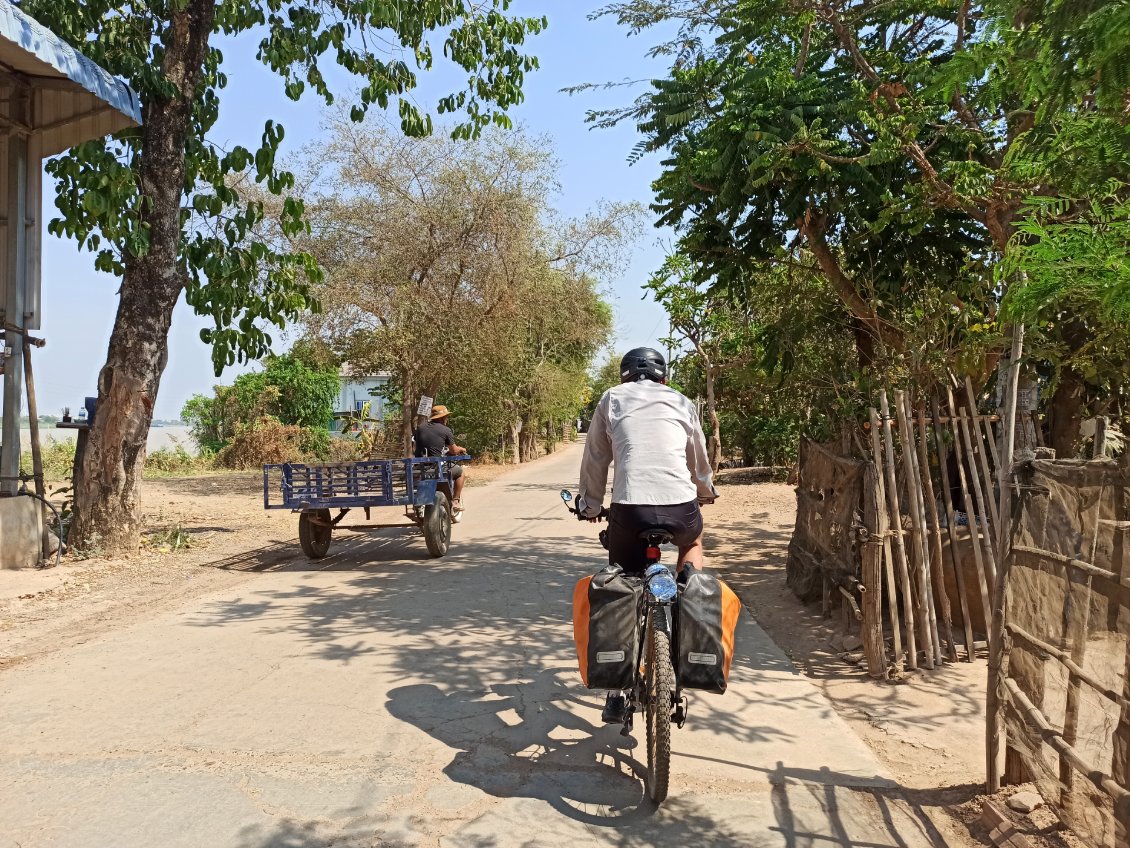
(439,411)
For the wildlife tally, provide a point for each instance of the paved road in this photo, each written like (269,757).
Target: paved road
(382,698)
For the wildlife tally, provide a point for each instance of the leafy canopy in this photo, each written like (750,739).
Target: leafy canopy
(230,270)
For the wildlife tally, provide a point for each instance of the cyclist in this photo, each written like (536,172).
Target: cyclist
(663,473)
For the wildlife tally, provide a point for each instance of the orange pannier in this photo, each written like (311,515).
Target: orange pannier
(606,610)
(707,616)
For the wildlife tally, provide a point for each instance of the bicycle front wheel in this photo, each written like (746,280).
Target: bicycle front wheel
(659,683)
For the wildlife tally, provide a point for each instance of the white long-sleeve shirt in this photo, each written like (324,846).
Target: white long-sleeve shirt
(652,434)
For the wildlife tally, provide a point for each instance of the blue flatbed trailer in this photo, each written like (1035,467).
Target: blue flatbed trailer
(423,487)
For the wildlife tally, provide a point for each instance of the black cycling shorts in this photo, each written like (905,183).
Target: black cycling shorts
(626,521)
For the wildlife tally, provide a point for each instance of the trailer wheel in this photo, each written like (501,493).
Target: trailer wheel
(315,538)
(437,525)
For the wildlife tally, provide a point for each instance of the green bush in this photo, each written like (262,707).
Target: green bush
(315,442)
(58,459)
(287,390)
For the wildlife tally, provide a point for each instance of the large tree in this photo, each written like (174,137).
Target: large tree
(158,206)
(893,143)
(446,266)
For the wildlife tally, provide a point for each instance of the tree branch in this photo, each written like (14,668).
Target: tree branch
(813,226)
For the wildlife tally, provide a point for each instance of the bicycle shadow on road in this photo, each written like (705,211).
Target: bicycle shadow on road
(521,741)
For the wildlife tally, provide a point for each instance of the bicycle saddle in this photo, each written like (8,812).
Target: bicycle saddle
(656,536)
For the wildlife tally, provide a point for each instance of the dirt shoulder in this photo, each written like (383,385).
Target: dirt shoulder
(928,729)
(228,535)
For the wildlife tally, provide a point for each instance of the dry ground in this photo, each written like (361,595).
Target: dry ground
(226,527)
(928,728)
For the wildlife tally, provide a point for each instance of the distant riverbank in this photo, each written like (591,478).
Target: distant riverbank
(159,437)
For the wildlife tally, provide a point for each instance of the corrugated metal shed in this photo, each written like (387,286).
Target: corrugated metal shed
(71,98)
(51,98)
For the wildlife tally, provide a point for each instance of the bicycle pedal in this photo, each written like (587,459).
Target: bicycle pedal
(682,710)
(626,730)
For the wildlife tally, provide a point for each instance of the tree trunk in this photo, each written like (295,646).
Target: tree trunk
(528,441)
(714,442)
(1066,414)
(1066,410)
(107,515)
(407,412)
(515,439)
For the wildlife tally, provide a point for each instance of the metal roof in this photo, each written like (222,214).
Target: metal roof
(72,99)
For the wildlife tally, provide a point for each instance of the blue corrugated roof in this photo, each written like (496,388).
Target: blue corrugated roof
(48,48)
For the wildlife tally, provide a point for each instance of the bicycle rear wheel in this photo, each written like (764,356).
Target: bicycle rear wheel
(659,684)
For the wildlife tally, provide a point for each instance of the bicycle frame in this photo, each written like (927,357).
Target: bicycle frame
(661,612)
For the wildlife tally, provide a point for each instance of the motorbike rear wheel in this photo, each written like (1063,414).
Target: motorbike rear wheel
(437,525)
(659,698)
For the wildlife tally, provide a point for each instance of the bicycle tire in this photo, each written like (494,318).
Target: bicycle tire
(659,686)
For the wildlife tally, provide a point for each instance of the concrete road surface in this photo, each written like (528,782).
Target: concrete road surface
(382,698)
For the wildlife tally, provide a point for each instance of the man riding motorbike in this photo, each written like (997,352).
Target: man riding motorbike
(663,472)
(435,438)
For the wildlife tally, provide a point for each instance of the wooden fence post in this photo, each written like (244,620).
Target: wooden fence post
(994,728)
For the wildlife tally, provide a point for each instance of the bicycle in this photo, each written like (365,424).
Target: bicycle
(654,687)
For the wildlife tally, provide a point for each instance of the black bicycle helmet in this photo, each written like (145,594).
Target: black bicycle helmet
(643,362)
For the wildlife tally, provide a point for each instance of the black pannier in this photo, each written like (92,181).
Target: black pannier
(704,633)
(606,628)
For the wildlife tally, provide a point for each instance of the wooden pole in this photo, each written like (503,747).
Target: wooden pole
(927,619)
(951,530)
(986,475)
(882,529)
(998,666)
(871,574)
(1098,445)
(978,554)
(33,421)
(941,598)
(900,543)
(36,447)
(983,535)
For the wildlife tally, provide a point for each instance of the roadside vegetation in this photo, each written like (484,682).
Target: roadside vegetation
(872,194)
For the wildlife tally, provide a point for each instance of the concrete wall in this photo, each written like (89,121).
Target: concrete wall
(21,532)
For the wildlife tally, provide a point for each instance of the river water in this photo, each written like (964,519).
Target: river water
(159,437)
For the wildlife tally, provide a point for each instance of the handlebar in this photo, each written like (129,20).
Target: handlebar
(581,517)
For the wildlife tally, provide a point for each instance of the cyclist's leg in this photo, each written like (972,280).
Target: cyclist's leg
(692,554)
(685,522)
(624,546)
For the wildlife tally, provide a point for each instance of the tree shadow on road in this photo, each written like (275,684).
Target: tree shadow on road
(483,643)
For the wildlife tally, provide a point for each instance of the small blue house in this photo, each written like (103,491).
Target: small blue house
(356,390)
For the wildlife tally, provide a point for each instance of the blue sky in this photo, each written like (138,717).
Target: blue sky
(79,303)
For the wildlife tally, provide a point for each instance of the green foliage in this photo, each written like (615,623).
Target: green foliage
(176,461)
(448,268)
(286,389)
(600,381)
(895,154)
(1081,259)
(57,456)
(233,271)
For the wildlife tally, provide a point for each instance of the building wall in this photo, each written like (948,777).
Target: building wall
(355,391)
